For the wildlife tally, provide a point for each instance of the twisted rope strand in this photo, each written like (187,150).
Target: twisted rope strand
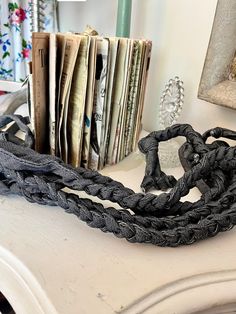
(162,220)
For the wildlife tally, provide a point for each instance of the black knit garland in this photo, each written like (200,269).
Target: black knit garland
(144,217)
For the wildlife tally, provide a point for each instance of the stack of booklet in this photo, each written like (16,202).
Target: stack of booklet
(86,96)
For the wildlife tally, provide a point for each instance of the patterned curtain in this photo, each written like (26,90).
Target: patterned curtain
(16,20)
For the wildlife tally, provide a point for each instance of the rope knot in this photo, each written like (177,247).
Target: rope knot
(216,132)
(147,144)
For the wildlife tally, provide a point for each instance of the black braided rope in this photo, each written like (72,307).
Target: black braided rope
(143,217)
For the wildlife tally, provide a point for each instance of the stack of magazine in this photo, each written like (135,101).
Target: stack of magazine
(86,96)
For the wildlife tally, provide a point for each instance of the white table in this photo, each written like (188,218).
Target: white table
(51,262)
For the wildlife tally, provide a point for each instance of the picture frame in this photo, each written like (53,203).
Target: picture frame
(215,84)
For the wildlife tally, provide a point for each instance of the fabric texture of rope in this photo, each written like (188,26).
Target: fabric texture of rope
(163,220)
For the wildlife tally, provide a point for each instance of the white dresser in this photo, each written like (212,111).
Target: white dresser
(51,262)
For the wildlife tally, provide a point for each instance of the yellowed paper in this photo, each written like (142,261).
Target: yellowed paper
(89,102)
(121,144)
(61,43)
(137,80)
(147,57)
(131,96)
(52,92)
(72,43)
(77,102)
(40,68)
(99,101)
(113,48)
(117,97)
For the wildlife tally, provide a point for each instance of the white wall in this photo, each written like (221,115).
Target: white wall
(180,33)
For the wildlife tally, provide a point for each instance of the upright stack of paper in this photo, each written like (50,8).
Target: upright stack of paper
(87,96)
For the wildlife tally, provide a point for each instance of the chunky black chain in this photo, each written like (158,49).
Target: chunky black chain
(162,220)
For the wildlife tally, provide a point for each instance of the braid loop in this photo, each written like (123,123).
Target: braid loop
(162,220)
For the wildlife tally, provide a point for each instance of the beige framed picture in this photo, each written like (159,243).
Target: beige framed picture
(218,80)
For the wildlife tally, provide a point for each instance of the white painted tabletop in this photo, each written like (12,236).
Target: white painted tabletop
(51,262)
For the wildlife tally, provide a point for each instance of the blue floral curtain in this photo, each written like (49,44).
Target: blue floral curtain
(15,36)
